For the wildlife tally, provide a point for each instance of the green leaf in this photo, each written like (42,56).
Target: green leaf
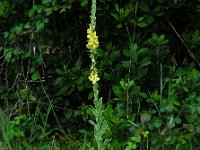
(127,64)
(155,37)
(157,123)
(78,64)
(195,36)
(63,10)
(24,93)
(142,94)
(136,139)
(127,52)
(171,123)
(180,72)
(123,84)
(39,25)
(157,10)
(119,25)
(161,40)
(191,118)
(108,76)
(32,98)
(142,24)
(145,62)
(35,76)
(17,51)
(185,89)
(48,11)
(114,55)
(18,29)
(191,128)
(32,11)
(46,1)
(125,14)
(58,80)
(117,8)
(131,146)
(142,51)
(27,25)
(150,100)
(59,71)
(84,3)
(8,54)
(116,16)
(150,19)
(130,83)
(6,34)
(145,133)
(177,120)
(143,6)
(90,95)
(175,1)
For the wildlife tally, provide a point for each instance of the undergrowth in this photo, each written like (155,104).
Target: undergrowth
(82,75)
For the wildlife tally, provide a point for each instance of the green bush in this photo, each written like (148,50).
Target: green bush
(148,65)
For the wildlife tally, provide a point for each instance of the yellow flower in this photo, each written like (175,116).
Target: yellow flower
(94,77)
(90,33)
(93,42)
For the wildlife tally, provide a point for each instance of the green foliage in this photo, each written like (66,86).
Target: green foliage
(148,64)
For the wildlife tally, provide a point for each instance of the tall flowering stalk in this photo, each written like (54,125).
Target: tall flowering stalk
(100,125)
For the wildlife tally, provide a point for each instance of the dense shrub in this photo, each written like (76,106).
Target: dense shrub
(148,64)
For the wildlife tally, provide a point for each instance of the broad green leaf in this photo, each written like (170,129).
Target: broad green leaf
(63,10)
(150,19)
(90,95)
(195,36)
(127,52)
(144,6)
(58,80)
(175,1)
(119,25)
(84,3)
(127,64)
(157,122)
(142,51)
(35,76)
(17,51)
(145,62)
(155,37)
(78,64)
(39,25)
(59,71)
(6,34)
(185,89)
(27,25)
(191,118)
(136,139)
(142,24)
(32,98)
(145,133)
(32,11)
(46,1)
(114,55)
(48,11)
(8,54)
(116,16)
(177,120)
(130,83)
(125,14)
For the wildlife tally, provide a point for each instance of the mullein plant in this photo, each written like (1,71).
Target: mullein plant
(100,124)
